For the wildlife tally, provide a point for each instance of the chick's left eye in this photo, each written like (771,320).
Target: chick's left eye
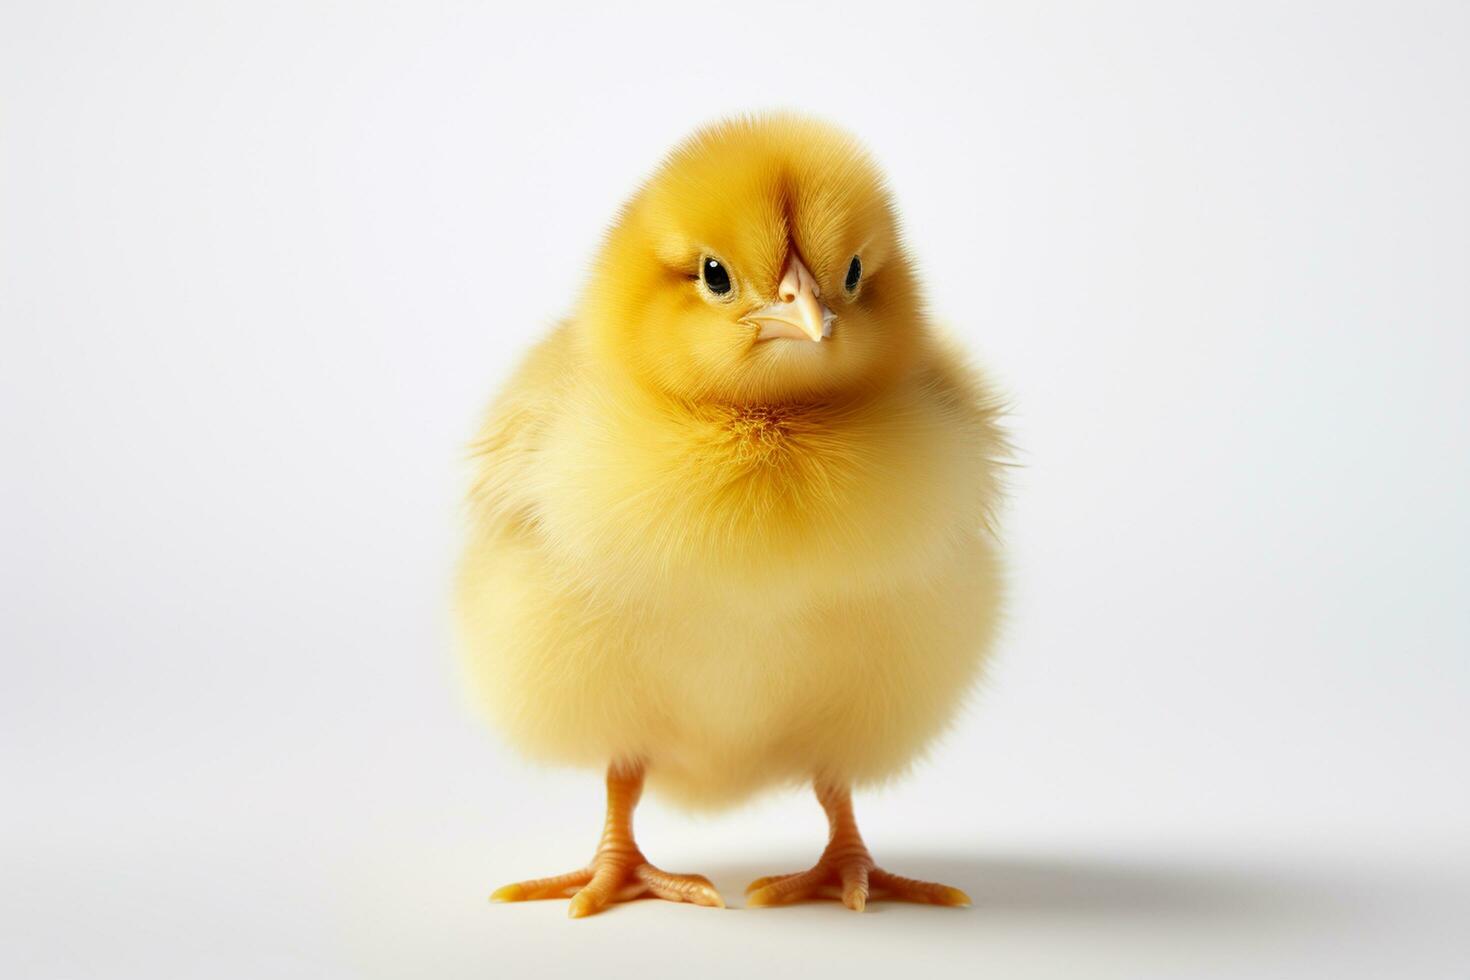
(854,273)
(716,276)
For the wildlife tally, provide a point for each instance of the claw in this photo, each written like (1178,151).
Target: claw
(760,883)
(508,893)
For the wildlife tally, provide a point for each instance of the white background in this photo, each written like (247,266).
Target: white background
(263,264)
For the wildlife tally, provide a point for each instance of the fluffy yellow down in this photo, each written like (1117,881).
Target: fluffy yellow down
(744,562)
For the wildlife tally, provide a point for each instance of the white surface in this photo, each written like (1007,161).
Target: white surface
(263,263)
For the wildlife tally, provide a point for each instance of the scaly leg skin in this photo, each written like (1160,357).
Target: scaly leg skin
(846,869)
(619,871)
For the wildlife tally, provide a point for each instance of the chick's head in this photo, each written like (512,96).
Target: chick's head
(761,263)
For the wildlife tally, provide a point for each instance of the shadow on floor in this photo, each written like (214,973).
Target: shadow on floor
(1036,886)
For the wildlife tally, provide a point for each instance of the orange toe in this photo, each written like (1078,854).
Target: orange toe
(560,886)
(912,890)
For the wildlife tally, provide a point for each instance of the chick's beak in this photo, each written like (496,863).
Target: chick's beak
(799,314)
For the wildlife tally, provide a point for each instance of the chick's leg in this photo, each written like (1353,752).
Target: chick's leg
(846,870)
(618,871)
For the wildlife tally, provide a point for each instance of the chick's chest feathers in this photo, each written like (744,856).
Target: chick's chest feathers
(634,492)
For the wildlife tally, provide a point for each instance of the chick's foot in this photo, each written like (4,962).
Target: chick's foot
(613,878)
(846,871)
(619,872)
(854,880)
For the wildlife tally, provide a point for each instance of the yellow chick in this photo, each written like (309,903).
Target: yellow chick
(731,525)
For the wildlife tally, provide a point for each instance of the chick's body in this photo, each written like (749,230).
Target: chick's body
(726,560)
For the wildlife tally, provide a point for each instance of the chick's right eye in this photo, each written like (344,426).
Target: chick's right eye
(716,276)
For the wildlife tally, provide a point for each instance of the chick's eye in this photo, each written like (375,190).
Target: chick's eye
(854,273)
(716,276)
